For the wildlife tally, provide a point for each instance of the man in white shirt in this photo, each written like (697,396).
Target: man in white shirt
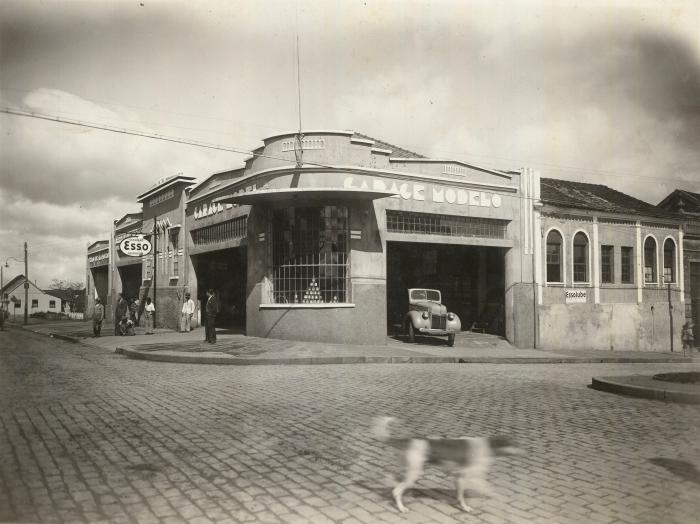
(187,312)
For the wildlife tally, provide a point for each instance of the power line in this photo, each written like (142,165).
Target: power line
(155,136)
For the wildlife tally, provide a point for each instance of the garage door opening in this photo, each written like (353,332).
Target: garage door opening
(470,278)
(131,281)
(225,272)
(100,277)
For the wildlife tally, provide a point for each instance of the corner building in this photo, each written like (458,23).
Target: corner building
(339,225)
(319,237)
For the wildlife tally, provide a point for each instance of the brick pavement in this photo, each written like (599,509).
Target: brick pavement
(87,436)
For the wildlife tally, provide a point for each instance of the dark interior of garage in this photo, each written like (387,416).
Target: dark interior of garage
(100,276)
(131,281)
(225,272)
(470,278)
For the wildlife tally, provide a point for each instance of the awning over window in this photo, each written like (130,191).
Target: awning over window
(319,194)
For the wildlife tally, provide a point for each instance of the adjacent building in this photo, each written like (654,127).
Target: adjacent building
(687,204)
(319,236)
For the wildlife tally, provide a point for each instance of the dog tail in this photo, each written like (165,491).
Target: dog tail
(380,430)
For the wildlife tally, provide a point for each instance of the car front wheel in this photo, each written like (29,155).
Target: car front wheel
(411,333)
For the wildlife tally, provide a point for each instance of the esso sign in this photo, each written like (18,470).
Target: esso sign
(135,247)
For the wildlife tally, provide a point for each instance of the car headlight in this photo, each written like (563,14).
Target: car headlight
(425,315)
(450,316)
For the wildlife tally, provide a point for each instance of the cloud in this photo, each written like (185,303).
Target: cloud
(66,165)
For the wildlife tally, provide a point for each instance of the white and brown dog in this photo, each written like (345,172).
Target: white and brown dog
(469,459)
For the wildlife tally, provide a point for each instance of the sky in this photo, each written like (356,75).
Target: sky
(606,92)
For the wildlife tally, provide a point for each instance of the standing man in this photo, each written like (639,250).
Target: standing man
(187,312)
(120,313)
(212,308)
(97,317)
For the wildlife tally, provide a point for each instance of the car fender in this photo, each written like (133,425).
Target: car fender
(416,318)
(454,324)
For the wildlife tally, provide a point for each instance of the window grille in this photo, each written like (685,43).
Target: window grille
(649,261)
(669,261)
(607,262)
(554,243)
(580,258)
(309,255)
(229,230)
(626,265)
(449,225)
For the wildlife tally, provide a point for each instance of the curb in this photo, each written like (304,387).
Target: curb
(618,385)
(223,358)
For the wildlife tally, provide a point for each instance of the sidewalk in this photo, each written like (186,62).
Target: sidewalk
(234,348)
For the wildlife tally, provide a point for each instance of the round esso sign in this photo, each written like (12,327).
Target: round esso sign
(135,246)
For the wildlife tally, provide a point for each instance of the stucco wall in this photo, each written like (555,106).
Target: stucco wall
(617,327)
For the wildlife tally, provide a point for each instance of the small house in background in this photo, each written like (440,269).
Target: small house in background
(687,204)
(38,300)
(72,300)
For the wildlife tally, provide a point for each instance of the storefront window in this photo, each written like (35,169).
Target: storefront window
(626,267)
(554,258)
(580,258)
(607,264)
(309,255)
(669,261)
(649,260)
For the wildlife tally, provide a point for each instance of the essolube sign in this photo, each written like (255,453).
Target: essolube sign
(135,247)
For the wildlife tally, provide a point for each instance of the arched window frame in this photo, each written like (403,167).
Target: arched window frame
(588,258)
(674,265)
(562,263)
(655,269)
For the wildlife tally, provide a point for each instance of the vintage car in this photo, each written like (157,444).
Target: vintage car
(427,316)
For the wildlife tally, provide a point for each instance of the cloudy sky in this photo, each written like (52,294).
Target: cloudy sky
(604,91)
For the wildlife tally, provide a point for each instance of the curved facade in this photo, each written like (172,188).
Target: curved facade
(319,237)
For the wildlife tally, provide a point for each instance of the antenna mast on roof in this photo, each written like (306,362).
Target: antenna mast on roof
(298,149)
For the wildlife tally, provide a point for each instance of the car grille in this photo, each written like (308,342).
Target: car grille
(439,322)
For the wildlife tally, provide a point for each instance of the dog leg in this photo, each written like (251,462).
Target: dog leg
(461,485)
(415,459)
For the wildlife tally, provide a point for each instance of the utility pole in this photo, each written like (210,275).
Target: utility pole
(670,314)
(26,286)
(155,266)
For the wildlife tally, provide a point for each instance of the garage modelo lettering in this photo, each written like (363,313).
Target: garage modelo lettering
(410,191)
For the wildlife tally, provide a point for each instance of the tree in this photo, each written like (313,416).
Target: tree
(65,285)
(72,293)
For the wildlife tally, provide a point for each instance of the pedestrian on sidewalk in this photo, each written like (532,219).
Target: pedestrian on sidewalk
(212,308)
(120,314)
(97,317)
(187,312)
(687,336)
(150,311)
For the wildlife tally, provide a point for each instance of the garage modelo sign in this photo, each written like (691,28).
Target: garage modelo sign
(135,246)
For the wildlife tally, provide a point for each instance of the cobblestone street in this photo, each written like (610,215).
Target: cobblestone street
(89,436)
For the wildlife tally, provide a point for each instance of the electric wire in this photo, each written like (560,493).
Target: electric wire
(236,150)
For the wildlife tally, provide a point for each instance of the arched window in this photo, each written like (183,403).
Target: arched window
(580,257)
(669,261)
(650,260)
(554,257)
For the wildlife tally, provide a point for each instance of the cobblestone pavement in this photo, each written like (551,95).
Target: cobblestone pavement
(89,436)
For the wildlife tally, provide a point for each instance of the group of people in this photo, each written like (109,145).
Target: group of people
(127,316)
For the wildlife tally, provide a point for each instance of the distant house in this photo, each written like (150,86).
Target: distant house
(38,300)
(73,300)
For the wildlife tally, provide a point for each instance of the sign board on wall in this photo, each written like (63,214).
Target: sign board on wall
(576,296)
(429,192)
(135,246)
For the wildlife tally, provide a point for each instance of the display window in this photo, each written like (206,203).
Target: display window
(309,259)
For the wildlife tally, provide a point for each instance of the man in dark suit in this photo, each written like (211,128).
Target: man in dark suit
(212,308)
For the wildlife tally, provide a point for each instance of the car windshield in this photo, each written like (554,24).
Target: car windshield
(425,294)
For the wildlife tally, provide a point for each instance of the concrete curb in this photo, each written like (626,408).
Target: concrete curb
(223,358)
(622,386)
